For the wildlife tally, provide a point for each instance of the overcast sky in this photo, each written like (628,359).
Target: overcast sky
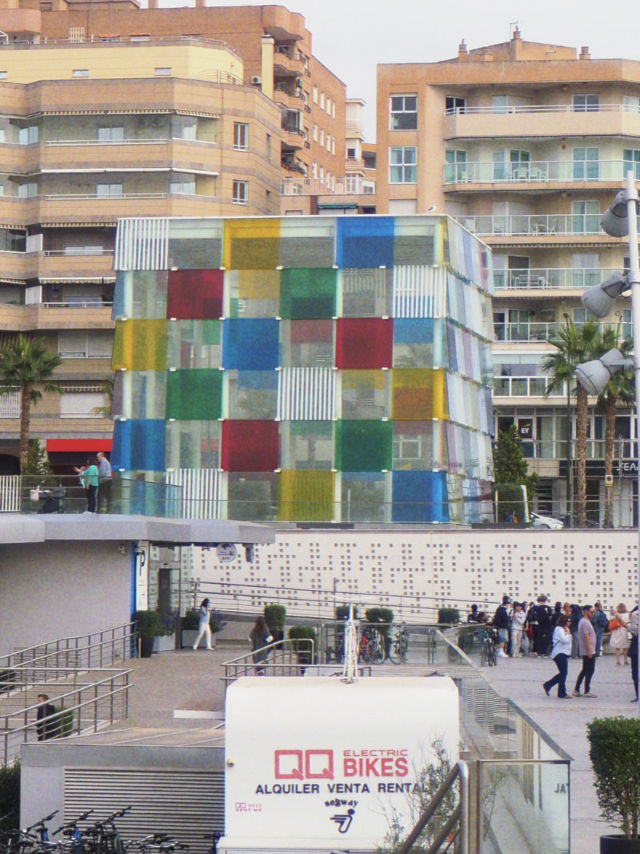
(352,36)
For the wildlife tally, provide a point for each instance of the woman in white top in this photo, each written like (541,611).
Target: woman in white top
(560,652)
(620,637)
(516,627)
(204,629)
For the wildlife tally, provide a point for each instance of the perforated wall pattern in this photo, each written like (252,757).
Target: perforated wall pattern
(411,571)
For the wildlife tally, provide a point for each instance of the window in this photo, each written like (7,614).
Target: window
(328,104)
(321,136)
(111,134)
(28,135)
(499,103)
(452,105)
(4,75)
(112,190)
(403,165)
(585,164)
(27,190)
(240,136)
(456,168)
(631,157)
(314,170)
(163,71)
(76,34)
(333,109)
(80,72)
(322,174)
(315,133)
(520,161)
(351,154)
(631,103)
(240,192)
(586,103)
(404,112)
(268,146)
(328,142)
(322,100)
(186,186)
(585,217)
(315,94)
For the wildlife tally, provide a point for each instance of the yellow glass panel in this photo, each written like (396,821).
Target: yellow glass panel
(252,244)
(305,496)
(140,345)
(418,394)
(258,284)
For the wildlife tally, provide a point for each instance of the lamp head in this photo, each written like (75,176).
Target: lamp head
(593,376)
(614,219)
(600,299)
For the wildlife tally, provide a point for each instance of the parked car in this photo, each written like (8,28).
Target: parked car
(538,521)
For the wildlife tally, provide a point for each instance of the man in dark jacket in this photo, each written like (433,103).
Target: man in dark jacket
(501,623)
(542,636)
(46,728)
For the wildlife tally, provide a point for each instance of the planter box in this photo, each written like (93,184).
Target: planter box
(189,638)
(164,643)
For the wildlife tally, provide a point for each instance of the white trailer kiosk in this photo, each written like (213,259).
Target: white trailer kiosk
(319,764)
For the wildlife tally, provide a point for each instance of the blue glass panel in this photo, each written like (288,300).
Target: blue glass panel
(122,278)
(409,331)
(419,496)
(365,242)
(250,344)
(138,445)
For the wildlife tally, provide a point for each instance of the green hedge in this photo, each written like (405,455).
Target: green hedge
(10,795)
(615,755)
(448,616)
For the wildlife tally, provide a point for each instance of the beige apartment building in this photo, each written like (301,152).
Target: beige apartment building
(108,110)
(526,144)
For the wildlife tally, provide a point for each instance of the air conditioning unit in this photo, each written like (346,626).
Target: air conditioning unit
(256,80)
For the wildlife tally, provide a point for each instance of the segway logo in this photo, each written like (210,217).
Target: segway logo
(304,764)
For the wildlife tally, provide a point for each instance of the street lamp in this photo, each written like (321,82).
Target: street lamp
(593,376)
(620,219)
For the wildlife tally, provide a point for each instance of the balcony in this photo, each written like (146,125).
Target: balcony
(54,316)
(533,332)
(130,155)
(91,208)
(288,99)
(287,62)
(293,138)
(541,120)
(72,264)
(551,278)
(350,185)
(533,225)
(525,387)
(536,172)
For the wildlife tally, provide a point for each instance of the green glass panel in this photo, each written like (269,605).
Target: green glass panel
(364,445)
(308,293)
(194,395)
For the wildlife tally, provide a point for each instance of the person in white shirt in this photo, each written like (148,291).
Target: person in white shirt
(104,483)
(560,653)
(516,628)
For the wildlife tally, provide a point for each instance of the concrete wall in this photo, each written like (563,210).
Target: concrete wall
(55,590)
(416,571)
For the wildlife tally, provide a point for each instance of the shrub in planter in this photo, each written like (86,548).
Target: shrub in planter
(275,616)
(448,616)
(615,755)
(149,626)
(302,650)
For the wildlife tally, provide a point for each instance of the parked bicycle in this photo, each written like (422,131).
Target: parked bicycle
(399,648)
(372,649)
(489,651)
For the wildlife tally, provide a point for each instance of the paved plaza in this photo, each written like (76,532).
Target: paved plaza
(185,681)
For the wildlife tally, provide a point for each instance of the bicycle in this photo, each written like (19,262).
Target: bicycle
(372,649)
(400,646)
(489,651)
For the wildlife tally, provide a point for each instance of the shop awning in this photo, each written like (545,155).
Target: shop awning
(67,445)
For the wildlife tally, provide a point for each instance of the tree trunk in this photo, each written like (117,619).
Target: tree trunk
(25,419)
(582,415)
(609,442)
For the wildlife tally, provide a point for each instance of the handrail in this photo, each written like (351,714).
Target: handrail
(459,815)
(539,108)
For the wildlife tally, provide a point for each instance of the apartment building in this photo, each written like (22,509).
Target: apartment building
(526,144)
(107,111)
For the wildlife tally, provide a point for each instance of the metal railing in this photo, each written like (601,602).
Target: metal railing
(533,224)
(562,171)
(543,278)
(280,658)
(455,828)
(516,109)
(525,387)
(84,706)
(543,331)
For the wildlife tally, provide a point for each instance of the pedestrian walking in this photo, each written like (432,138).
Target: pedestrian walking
(204,629)
(90,482)
(260,637)
(634,624)
(501,623)
(560,652)
(104,482)
(587,650)
(542,627)
(601,625)
(46,725)
(619,632)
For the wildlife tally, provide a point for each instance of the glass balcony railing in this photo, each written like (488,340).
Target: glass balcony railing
(524,387)
(541,278)
(559,171)
(541,332)
(526,225)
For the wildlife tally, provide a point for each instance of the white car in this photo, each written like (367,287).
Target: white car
(538,521)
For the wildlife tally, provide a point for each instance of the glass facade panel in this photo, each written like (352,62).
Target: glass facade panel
(419,445)
(253,293)
(420,496)
(139,394)
(140,345)
(364,498)
(365,242)
(365,394)
(194,395)
(305,495)
(194,344)
(305,243)
(252,244)
(418,394)
(308,293)
(307,343)
(194,294)
(253,496)
(252,394)
(306,444)
(364,343)
(250,446)
(193,444)
(412,343)
(250,344)
(366,293)
(195,244)
(363,445)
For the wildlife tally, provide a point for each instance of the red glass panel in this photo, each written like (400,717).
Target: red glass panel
(250,446)
(364,343)
(195,294)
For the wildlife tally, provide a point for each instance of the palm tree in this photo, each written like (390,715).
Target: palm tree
(619,389)
(574,345)
(26,364)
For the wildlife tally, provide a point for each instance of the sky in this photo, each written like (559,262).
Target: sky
(351,36)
